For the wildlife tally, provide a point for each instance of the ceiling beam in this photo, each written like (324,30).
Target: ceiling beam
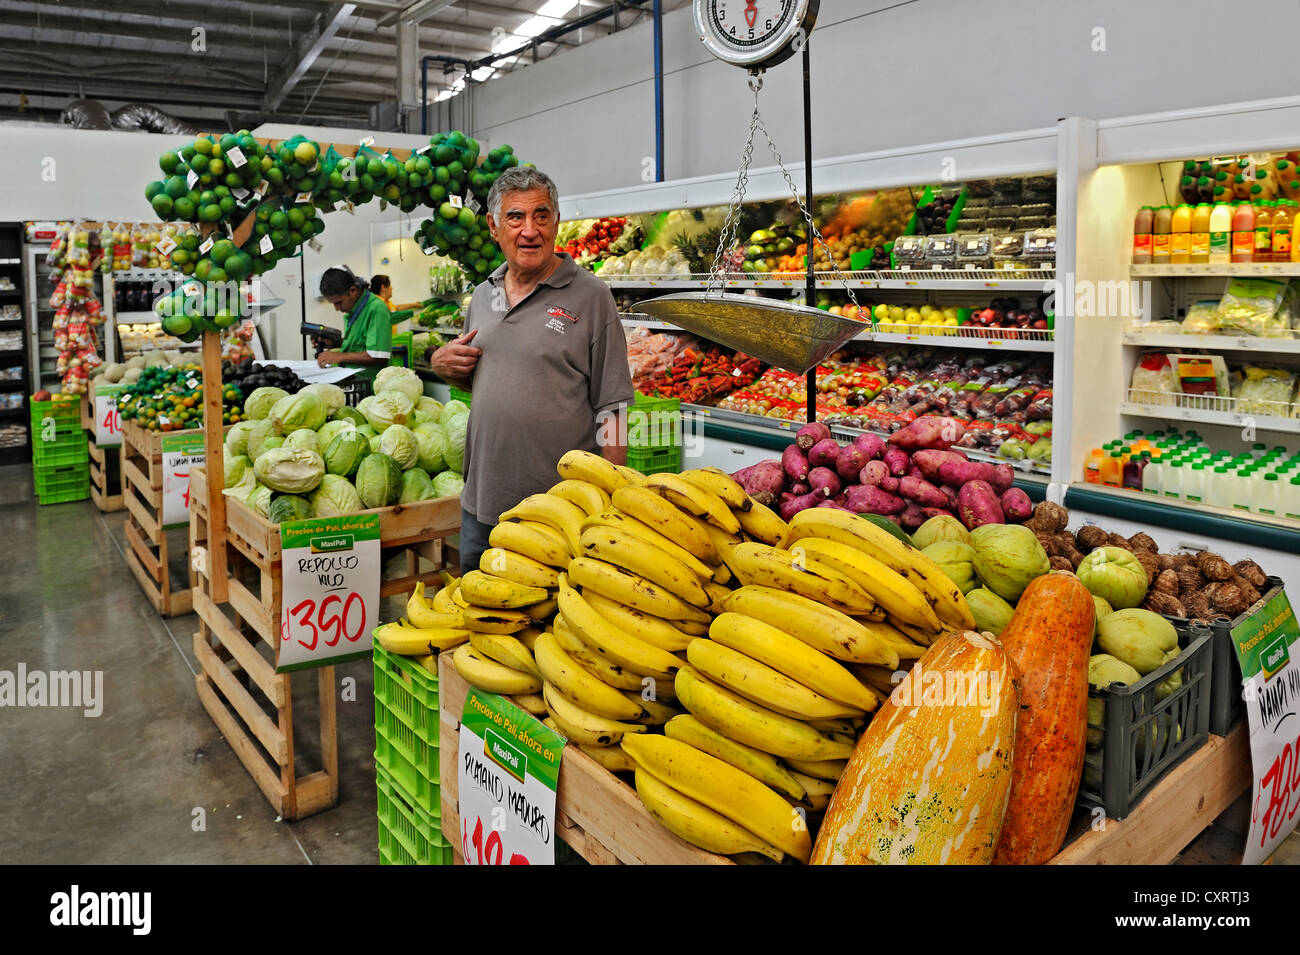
(145,20)
(305,52)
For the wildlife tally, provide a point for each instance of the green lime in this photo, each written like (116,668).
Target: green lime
(203,145)
(167,163)
(210,213)
(448,211)
(183,208)
(162,205)
(238,265)
(176,187)
(467,218)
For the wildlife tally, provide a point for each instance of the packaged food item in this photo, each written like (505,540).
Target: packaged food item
(975,251)
(940,252)
(1205,375)
(909,252)
(1202,319)
(1248,306)
(1154,376)
(1001,223)
(1008,249)
(1265,391)
(1040,248)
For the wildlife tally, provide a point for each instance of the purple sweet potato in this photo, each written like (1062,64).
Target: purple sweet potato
(930,461)
(824,481)
(950,496)
(1016,505)
(921,491)
(978,505)
(764,477)
(824,453)
(872,500)
(850,462)
(957,472)
(889,484)
(872,445)
(898,460)
(1003,476)
(915,472)
(800,488)
(912,517)
(928,431)
(835,504)
(873,472)
(793,505)
(795,463)
(810,434)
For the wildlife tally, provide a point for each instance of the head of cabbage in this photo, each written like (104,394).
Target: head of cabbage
(398,442)
(345,451)
(330,428)
(236,465)
(379,481)
(455,428)
(335,497)
(431,408)
(258,405)
(237,437)
(399,379)
(256,435)
(289,470)
(249,492)
(295,412)
(349,414)
(431,441)
(448,484)
(331,395)
(453,408)
(385,410)
(302,438)
(416,486)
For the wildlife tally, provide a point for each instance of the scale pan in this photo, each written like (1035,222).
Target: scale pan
(787,335)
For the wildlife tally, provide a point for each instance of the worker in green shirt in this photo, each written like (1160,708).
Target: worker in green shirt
(367,332)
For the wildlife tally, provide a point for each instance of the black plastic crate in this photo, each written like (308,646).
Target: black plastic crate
(1144,738)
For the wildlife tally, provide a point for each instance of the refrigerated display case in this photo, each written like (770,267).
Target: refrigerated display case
(15,428)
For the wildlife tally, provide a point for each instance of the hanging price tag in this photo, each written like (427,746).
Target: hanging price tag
(180,452)
(235,156)
(263,188)
(108,422)
(266,245)
(509,767)
(303,197)
(191,179)
(330,592)
(240,193)
(349,207)
(456,202)
(368,141)
(423,149)
(207,244)
(165,245)
(472,203)
(315,246)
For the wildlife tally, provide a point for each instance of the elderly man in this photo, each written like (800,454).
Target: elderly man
(543,354)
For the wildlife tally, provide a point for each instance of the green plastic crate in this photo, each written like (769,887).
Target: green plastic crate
(660,461)
(654,424)
(401,339)
(64,450)
(459,395)
(406,727)
(64,484)
(407,834)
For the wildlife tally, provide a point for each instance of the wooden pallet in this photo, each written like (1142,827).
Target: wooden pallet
(237,641)
(105,464)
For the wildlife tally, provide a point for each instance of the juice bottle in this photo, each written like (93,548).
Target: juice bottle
(1264,231)
(1112,469)
(1194,483)
(1092,467)
(1187,188)
(1205,188)
(1171,479)
(1216,488)
(1269,498)
(1283,221)
(1293,499)
(1152,475)
(1200,251)
(1243,233)
(1239,489)
(1142,235)
(1180,235)
(1160,235)
(1220,233)
(1133,472)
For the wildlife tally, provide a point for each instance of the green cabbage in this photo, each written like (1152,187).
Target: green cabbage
(429,407)
(237,437)
(455,429)
(345,451)
(331,428)
(416,486)
(249,492)
(272,442)
(448,484)
(416,418)
(349,414)
(367,429)
(399,379)
(260,500)
(388,409)
(243,487)
(257,406)
(432,443)
(289,507)
(289,470)
(331,395)
(236,465)
(302,438)
(294,412)
(335,496)
(375,440)
(259,432)
(452,409)
(379,481)
(398,442)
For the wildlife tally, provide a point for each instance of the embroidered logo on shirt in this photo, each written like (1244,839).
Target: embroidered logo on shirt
(556,325)
(559,312)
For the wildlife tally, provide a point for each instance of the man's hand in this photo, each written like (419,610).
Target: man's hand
(327,358)
(457,359)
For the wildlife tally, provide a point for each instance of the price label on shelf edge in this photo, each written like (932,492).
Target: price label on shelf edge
(108,423)
(180,452)
(330,591)
(509,767)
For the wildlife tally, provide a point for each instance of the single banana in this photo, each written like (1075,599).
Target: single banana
(838,727)
(752,724)
(646,627)
(611,642)
(819,791)
(528,636)
(557,537)
(724,789)
(634,477)
(594,695)
(590,497)
(915,635)
(410,641)
(769,566)
(518,568)
(586,727)
(486,674)
(667,519)
(939,591)
(657,714)
(565,516)
(722,575)
(756,763)
(540,612)
(593,662)
(531,703)
(817,625)
(521,539)
(763,685)
(506,650)
(488,620)
(696,823)
(692,627)
(717,593)
(878,677)
(584,466)
(892,632)
(611,757)
(442,602)
(613,518)
(890,589)
(761,522)
(719,482)
(429,662)
(792,657)
(827,769)
(497,593)
(621,549)
(457,598)
(695,500)
(425,617)
(631,589)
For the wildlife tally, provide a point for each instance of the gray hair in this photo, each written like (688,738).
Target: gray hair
(521,179)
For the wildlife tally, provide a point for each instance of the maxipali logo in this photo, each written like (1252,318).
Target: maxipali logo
(76,908)
(77,689)
(974,688)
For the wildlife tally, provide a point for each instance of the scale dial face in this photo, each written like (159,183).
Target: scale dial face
(754,34)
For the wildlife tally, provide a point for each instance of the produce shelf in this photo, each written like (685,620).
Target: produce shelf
(1211,409)
(1265,269)
(1002,280)
(966,336)
(1198,343)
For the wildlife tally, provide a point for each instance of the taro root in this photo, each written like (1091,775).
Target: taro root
(1118,540)
(1149,564)
(1229,600)
(1184,560)
(1090,537)
(1197,604)
(1075,557)
(1065,542)
(1048,517)
(1140,542)
(1167,561)
(1252,573)
(1061,563)
(1247,591)
(1190,581)
(1213,567)
(1167,583)
(1164,604)
(1049,543)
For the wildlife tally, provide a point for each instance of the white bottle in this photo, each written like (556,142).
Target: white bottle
(1171,480)
(1293,498)
(1239,489)
(1152,477)
(1268,496)
(1216,487)
(1194,483)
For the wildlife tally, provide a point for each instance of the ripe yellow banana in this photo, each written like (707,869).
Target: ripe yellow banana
(488,620)
(583,688)
(693,628)
(528,636)
(425,617)
(590,497)
(518,568)
(528,541)
(555,536)
(667,519)
(429,661)
(890,589)
(414,641)
(584,466)
(631,589)
(583,726)
(762,766)
(696,823)
(719,482)
(892,633)
(442,601)
(506,650)
(621,549)
(817,625)
(553,511)
(747,722)
(694,500)
(769,566)
(634,477)
(914,636)
(613,518)
(611,757)
(940,592)
(657,713)
(593,662)
(717,593)
(839,727)
(457,598)
(818,791)
(486,674)
(540,612)
(827,769)
(881,678)
(792,657)
(724,789)
(763,685)
(612,642)
(761,522)
(531,703)
(722,575)
(497,593)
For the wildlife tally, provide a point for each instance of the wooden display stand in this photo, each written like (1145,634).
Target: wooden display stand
(105,464)
(239,635)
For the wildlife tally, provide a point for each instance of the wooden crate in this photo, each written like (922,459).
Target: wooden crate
(105,464)
(237,640)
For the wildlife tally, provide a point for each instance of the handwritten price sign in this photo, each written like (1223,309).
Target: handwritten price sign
(179,453)
(108,423)
(330,593)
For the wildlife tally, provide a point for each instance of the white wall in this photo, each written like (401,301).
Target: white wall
(885,74)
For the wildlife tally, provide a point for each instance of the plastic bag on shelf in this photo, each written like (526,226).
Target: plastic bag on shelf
(1264,390)
(1154,374)
(1248,306)
(1201,319)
